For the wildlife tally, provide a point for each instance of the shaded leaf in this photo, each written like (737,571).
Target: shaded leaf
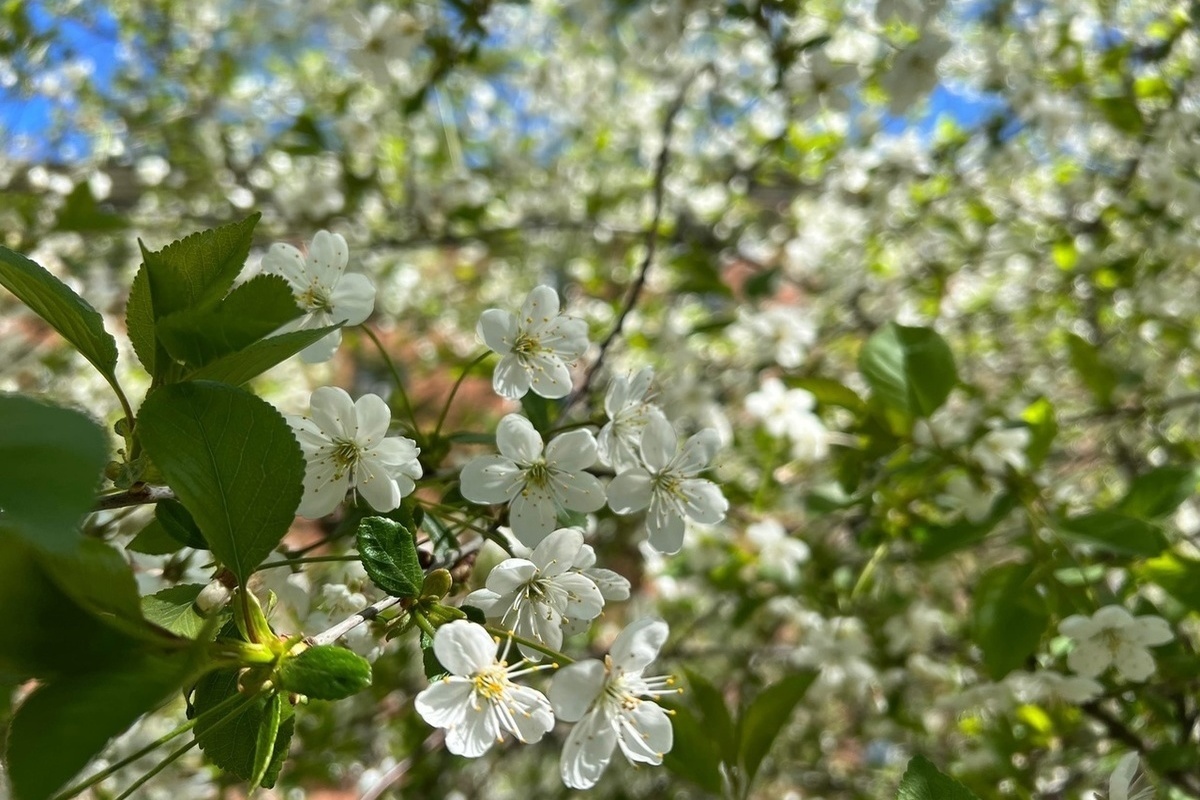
(763,720)
(325,673)
(51,461)
(910,369)
(693,755)
(178,524)
(717,721)
(1116,533)
(174,608)
(232,461)
(1008,617)
(1159,492)
(68,313)
(257,308)
(1179,576)
(1096,374)
(233,745)
(252,361)
(923,781)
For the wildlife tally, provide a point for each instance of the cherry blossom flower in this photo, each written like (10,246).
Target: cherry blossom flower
(1125,783)
(535,346)
(1002,448)
(536,596)
(321,287)
(609,701)
(344,448)
(778,553)
(668,485)
(1113,636)
(1047,685)
(789,413)
(628,412)
(537,485)
(477,703)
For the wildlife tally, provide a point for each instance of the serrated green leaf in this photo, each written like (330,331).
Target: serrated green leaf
(232,461)
(252,361)
(1116,533)
(153,541)
(62,725)
(268,734)
(923,781)
(389,555)
(194,272)
(1008,617)
(68,313)
(766,717)
(257,308)
(51,462)
(717,721)
(325,673)
(911,370)
(174,608)
(1159,492)
(233,746)
(693,755)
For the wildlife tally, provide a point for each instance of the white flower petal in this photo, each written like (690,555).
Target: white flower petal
(539,307)
(703,501)
(1133,661)
(334,413)
(475,735)
(577,491)
(587,751)
(373,417)
(647,734)
(511,379)
(584,600)
(550,377)
(1089,658)
(352,300)
(491,479)
(630,491)
(323,497)
(572,451)
(497,329)
(574,688)
(322,349)
(1149,631)
(1077,627)
(612,586)
(557,553)
(639,644)
(485,600)
(517,439)
(532,715)
(288,262)
(464,648)
(510,574)
(659,443)
(327,259)
(378,488)
(532,514)
(443,704)
(664,528)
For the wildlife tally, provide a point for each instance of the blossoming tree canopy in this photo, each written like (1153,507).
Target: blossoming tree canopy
(798,399)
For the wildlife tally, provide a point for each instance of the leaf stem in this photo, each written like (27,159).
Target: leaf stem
(387,359)
(173,756)
(454,391)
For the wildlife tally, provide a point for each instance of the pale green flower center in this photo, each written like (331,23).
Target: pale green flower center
(314,299)
(537,475)
(491,682)
(527,345)
(346,455)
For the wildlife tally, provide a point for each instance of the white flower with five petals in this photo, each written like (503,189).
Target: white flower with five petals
(668,486)
(536,484)
(536,596)
(628,412)
(535,346)
(345,448)
(1113,636)
(477,703)
(321,287)
(611,701)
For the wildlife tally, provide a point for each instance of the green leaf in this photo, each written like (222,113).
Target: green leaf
(153,541)
(1100,378)
(325,673)
(910,369)
(51,461)
(257,308)
(194,272)
(268,734)
(178,524)
(766,716)
(61,726)
(830,392)
(1116,533)
(693,755)
(923,781)
(234,745)
(1043,427)
(1158,492)
(717,721)
(938,541)
(1008,617)
(1179,576)
(99,580)
(232,461)
(175,609)
(46,641)
(1122,112)
(67,312)
(252,361)
(389,555)
(81,213)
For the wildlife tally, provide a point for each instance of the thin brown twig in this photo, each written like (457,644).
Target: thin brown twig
(141,494)
(658,193)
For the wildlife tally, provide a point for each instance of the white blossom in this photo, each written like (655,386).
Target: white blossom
(778,554)
(321,287)
(1113,636)
(1046,685)
(668,486)
(609,701)
(345,448)
(1125,784)
(1002,448)
(966,496)
(789,413)
(537,485)
(477,703)
(535,346)
(628,412)
(536,596)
